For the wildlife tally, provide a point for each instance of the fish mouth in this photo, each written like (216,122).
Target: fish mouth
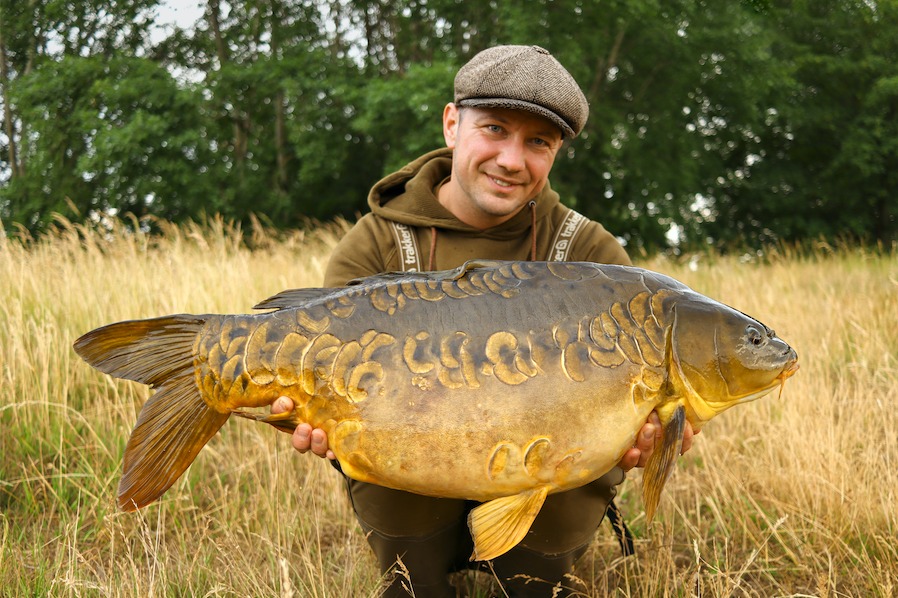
(787,373)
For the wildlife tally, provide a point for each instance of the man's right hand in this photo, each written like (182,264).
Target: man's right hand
(305,438)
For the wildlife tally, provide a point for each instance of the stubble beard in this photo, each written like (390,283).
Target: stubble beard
(490,203)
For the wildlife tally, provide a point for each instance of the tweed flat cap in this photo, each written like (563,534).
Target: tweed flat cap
(524,78)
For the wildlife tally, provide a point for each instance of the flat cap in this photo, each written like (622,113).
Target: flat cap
(523,78)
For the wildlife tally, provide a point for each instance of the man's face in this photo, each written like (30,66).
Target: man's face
(501,160)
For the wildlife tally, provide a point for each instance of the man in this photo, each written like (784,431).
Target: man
(486,195)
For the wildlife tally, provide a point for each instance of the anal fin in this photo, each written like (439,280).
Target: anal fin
(499,525)
(661,463)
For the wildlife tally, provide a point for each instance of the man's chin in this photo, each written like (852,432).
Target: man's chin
(503,207)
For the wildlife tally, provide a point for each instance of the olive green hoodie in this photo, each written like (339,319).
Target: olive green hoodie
(408,229)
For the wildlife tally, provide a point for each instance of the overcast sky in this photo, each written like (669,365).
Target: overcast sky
(183,13)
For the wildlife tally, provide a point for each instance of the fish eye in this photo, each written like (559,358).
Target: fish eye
(754,336)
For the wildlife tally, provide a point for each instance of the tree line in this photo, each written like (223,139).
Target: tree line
(711,123)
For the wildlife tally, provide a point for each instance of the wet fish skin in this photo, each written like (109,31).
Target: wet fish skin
(497,381)
(448,388)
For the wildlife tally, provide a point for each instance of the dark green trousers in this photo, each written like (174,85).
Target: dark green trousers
(430,536)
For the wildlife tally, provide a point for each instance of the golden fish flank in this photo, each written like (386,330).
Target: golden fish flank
(499,382)
(240,353)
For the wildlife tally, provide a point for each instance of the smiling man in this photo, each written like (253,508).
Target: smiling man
(501,160)
(486,195)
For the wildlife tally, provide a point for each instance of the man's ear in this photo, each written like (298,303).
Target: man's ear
(451,119)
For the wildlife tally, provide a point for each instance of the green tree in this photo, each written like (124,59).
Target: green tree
(280,96)
(732,123)
(38,39)
(831,170)
(107,134)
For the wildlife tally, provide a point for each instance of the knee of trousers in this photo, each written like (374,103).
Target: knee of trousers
(429,534)
(397,513)
(419,563)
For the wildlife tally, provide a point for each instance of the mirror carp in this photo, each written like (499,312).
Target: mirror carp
(498,382)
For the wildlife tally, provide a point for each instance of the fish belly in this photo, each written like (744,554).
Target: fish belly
(492,441)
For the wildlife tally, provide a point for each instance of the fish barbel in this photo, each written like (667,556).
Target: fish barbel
(499,382)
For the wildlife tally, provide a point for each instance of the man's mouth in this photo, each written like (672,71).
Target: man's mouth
(502,183)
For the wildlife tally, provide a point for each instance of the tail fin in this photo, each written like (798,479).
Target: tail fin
(175,423)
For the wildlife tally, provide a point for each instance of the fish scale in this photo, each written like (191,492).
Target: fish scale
(499,382)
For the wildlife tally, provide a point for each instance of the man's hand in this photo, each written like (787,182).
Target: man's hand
(639,455)
(305,438)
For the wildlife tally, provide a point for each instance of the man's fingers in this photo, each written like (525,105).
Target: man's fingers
(282,405)
(646,439)
(630,459)
(688,436)
(651,431)
(302,438)
(306,439)
(319,442)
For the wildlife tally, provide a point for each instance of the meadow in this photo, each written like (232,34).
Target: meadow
(794,495)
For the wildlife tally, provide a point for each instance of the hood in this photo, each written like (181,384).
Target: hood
(407,196)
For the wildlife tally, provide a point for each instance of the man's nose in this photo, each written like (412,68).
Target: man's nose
(511,156)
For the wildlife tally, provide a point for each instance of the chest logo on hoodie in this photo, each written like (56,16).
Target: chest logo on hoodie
(564,237)
(408,247)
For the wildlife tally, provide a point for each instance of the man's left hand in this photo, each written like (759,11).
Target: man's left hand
(639,455)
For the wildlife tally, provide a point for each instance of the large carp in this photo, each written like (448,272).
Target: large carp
(498,382)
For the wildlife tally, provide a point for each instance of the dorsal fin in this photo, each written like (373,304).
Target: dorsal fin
(453,274)
(302,297)
(471,265)
(293,298)
(389,277)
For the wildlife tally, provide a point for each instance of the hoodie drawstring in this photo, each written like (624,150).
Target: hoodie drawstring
(433,248)
(532,230)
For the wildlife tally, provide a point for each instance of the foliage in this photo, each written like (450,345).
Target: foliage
(830,169)
(107,134)
(731,124)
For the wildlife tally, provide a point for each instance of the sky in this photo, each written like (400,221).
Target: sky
(183,13)
(180,13)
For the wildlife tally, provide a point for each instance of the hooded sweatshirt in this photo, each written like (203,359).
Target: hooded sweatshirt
(409,230)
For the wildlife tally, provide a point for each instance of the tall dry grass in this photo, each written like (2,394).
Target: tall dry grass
(793,496)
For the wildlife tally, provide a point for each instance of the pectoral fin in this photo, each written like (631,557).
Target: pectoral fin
(498,525)
(663,459)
